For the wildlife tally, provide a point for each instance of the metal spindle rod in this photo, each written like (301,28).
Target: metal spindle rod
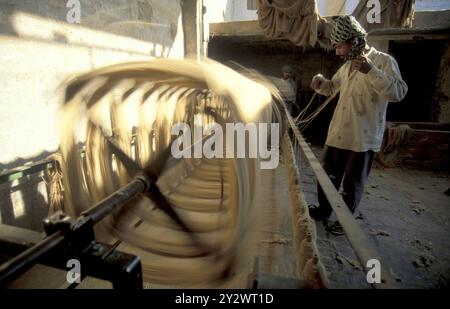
(25,260)
(116,200)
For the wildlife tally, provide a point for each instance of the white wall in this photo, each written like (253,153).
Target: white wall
(336,7)
(228,10)
(215,13)
(39,49)
(236,10)
(432,5)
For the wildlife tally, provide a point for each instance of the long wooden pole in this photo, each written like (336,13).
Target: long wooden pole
(363,247)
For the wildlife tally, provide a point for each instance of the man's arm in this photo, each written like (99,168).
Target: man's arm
(387,80)
(325,86)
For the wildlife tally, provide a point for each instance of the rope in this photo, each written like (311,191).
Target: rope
(309,267)
(304,123)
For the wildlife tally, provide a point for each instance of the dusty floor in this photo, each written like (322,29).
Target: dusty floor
(407,215)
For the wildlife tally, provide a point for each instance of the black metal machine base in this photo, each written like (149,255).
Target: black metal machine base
(74,239)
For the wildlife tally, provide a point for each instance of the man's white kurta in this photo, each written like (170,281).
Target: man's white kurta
(360,115)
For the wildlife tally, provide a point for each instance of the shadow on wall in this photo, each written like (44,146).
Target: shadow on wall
(24,200)
(39,49)
(153,22)
(23,161)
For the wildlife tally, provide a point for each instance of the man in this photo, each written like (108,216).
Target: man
(367,81)
(288,75)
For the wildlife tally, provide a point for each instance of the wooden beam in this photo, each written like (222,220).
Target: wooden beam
(236,28)
(410,37)
(191,34)
(409,34)
(360,243)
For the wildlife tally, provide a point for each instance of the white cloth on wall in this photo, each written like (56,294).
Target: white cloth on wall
(299,20)
(295,20)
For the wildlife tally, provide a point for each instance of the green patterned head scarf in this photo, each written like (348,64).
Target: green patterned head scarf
(346,28)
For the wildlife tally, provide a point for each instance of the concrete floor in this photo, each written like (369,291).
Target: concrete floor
(406,214)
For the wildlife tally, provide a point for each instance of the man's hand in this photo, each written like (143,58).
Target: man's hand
(317,81)
(362,64)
